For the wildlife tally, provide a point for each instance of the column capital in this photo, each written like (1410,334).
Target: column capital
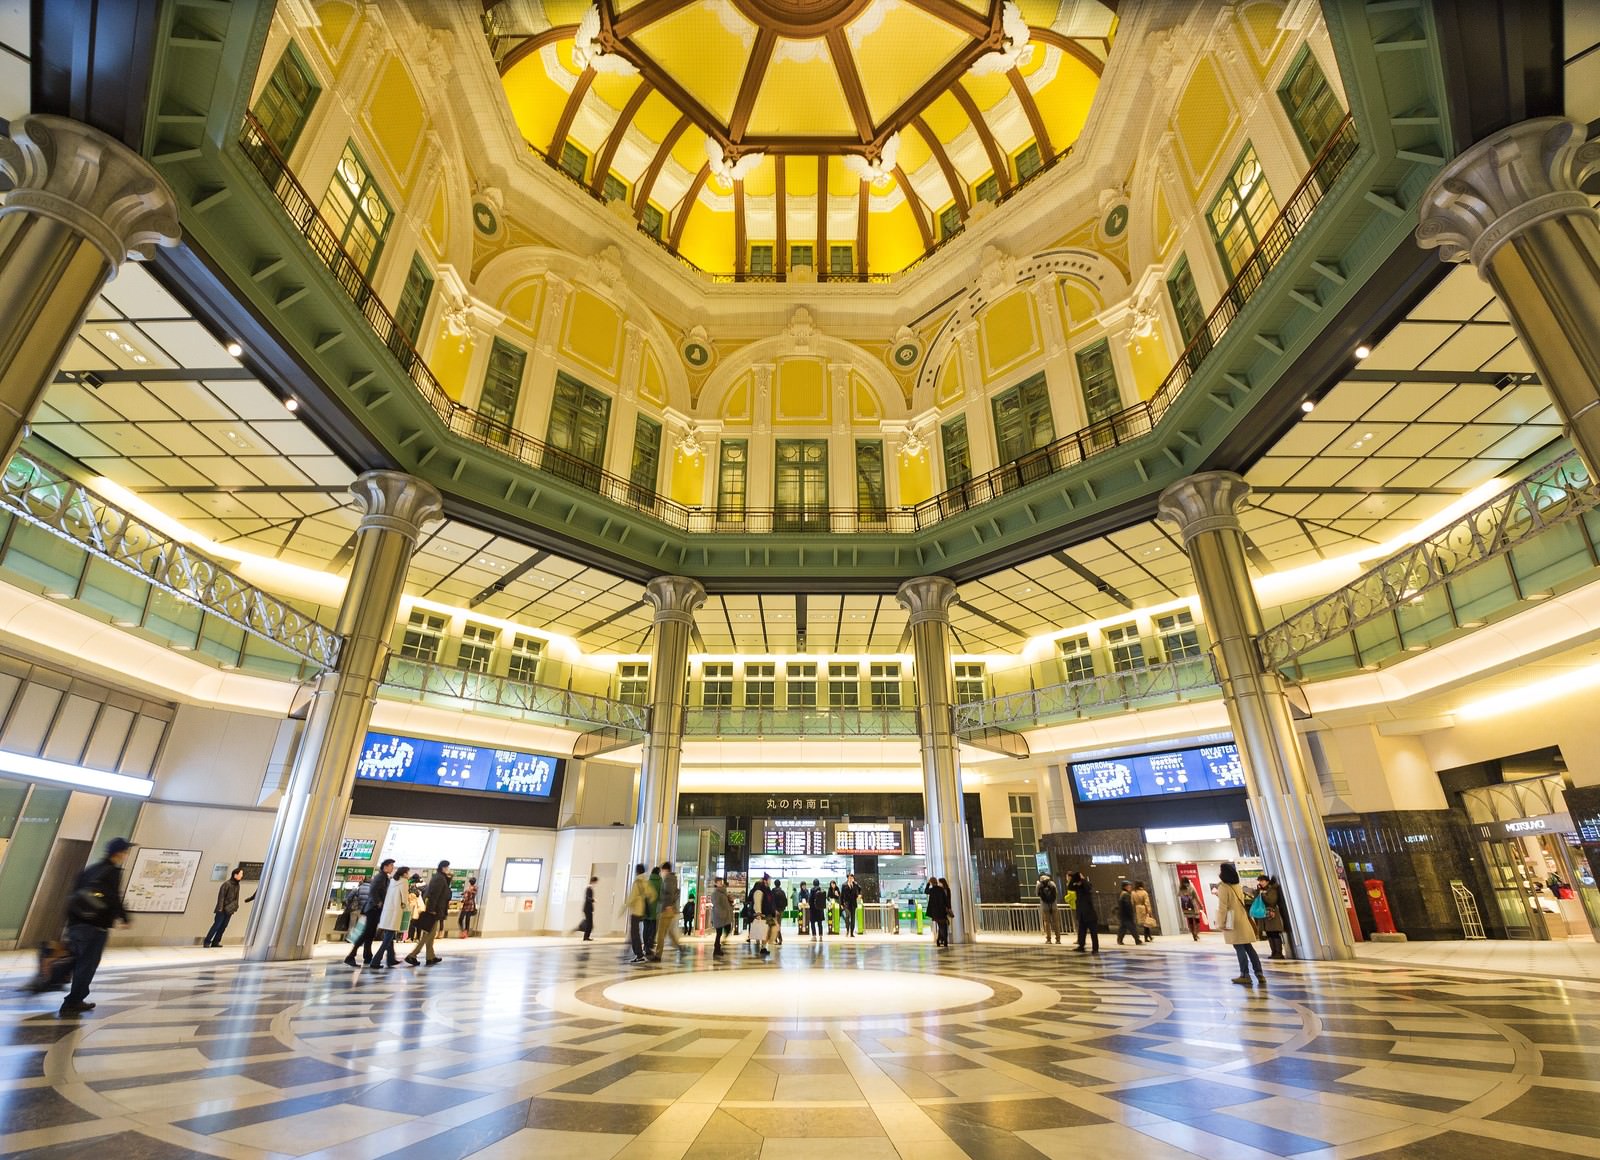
(69,172)
(927,598)
(1506,183)
(674,597)
(1207,502)
(396,502)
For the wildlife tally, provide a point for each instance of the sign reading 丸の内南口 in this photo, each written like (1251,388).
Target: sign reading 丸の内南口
(419,761)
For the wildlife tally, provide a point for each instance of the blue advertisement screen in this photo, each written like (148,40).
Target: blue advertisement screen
(417,761)
(1154,774)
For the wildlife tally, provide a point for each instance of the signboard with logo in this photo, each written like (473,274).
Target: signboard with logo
(421,762)
(1527,827)
(1200,770)
(357,849)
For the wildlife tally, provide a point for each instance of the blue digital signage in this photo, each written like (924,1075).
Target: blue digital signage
(1154,774)
(418,761)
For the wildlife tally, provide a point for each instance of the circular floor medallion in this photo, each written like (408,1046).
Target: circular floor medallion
(791,995)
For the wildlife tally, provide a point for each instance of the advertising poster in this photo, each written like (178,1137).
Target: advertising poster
(160,880)
(417,761)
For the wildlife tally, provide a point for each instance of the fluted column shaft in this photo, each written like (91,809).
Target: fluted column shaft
(1288,825)
(75,204)
(1512,205)
(928,600)
(655,830)
(316,802)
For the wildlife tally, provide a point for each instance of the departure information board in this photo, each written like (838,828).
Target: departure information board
(418,761)
(869,838)
(793,837)
(1201,770)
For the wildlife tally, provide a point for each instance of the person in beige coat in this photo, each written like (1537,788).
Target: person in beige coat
(1233,920)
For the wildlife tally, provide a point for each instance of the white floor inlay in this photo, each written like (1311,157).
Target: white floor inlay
(783,995)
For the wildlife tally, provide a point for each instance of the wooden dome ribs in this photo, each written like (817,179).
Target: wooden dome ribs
(958,189)
(641,196)
(608,152)
(997,158)
(755,71)
(1030,109)
(918,211)
(844,64)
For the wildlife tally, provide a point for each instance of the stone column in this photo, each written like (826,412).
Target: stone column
(305,838)
(76,205)
(1058,801)
(1512,205)
(655,832)
(928,600)
(1288,825)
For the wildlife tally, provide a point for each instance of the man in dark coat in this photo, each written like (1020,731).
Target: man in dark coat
(817,909)
(587,925)
(1083,908)
(227,907)
(1049,919)
(380,890)
(849,895)
(435,909)
(95,905)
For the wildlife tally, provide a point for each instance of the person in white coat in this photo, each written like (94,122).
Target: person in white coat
(393,919)
(1233,920)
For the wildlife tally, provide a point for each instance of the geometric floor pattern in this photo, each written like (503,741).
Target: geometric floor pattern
(1040,1052)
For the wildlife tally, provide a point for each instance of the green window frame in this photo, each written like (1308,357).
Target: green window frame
(414,296)
(949,221)
(526,653)
(762,256)
(633,682)
(502,387)
(1313,109)
(841,260)
(613,189)
(971,682)
(800,484)
(1241,212)
(760,684)
(423,638)
(1185,298)
(1180,638)
(733,473)
(716,685)
(800,684)
(802,254)
(844,685)
(1022,419)
(987,190)
(646,462)
(580,417)
(285,104)
(871,498)
(1028,161)
(1126,648)
(478,643)
(1097,377)
(1077,658)
(883,685)
(653,221)
(574,161)
(957,451)
(358,211)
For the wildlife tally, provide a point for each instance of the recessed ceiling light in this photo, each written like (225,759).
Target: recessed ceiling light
(291,404)
(234,350)
(1308,406)
(112,335)
(1363,350)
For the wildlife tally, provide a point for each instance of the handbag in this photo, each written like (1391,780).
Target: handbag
(88,905)
(357,929)
(1258,908)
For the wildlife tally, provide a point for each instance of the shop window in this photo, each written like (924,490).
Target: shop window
(574,161)
(1127,650)
(285,104)
(1022,420)
(414,297)
(957,451)
(477,648)
(761,258)
(801,255)
(987,190)
(801,484)
(1241,212)
(885,685)
(871,504)
(949,221)
(614,189)
(526,653)
(732,465)
(1077,658)
(1186,301)
(800,685)
(1180,640)
(1098,378)
(1028,162)
(1309,100)
(716,690)
(841,260)
(579,417)
(646,461)
(502,386)
(357,210)
(633,682)
(760,685)
(424,636)
(653,221)
(844,686)
(971,682)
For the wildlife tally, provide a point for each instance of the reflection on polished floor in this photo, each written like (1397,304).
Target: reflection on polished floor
(999,1051)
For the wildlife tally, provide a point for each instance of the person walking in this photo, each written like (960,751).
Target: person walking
(1084,911)
(802,909)
(667,913)
(469,907)
(1189,904)
(1127,914)
(227,907)
(688,912)
(377,895)
(636,906)
(392,922)
(939,910)
(435,908)
(1271,922)
(1144,915)
(849,896)
(818,910)
(94,907)
(1233,920)
(1049,917)
(652,914)
(780,904)
(721,915)
(586,927)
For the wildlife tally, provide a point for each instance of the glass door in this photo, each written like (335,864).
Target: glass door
(1512,891)
(801,485)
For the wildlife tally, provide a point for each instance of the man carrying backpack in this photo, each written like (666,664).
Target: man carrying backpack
(95,906)
(1049,917)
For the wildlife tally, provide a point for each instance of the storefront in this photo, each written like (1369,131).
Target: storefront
(1543,885)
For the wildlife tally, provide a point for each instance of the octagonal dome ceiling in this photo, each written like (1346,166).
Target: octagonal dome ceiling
(756,137)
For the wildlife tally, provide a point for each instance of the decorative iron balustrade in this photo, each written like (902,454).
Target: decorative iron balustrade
(1070,450)
(44,497)
(1174,681)
(833,721)
(425,678)
(1555,494)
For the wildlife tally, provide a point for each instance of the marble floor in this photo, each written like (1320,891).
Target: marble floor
(881,1048)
